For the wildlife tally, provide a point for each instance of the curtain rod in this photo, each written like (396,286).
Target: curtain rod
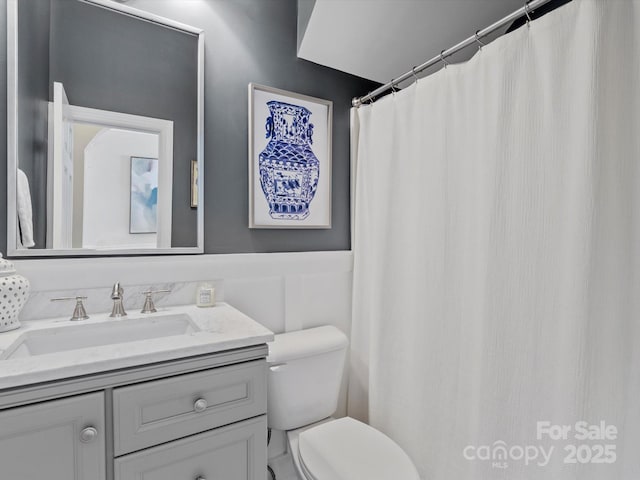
(521,12)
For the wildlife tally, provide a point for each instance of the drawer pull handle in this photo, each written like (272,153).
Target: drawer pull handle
(200,406)
(200,478)
(88,435)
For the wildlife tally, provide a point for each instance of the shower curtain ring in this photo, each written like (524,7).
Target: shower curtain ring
(446,64)
(413,70)
(526,12)
(393,86)
(480,44)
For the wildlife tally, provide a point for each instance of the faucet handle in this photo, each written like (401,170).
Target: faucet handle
(79,313)
(149,307)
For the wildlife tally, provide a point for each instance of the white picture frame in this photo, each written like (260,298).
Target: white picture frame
(290,142)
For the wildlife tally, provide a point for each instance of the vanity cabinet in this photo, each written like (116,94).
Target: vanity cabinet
(227,453)
(199,418)
(54,440)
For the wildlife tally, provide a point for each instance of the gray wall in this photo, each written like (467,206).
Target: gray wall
(33,62)
(248,41)
(115,62)
(3,125)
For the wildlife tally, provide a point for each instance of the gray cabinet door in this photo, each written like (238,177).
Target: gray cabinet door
(53,441)
(234,452)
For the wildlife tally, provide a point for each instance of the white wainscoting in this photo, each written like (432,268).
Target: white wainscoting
(282,291)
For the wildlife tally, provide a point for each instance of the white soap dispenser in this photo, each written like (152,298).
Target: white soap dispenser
(206,295)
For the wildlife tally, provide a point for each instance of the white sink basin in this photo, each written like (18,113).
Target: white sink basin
(87,335)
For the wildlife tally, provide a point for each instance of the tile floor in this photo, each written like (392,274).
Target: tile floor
(283,468)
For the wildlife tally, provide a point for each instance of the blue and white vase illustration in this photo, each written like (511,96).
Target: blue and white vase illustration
(289,170)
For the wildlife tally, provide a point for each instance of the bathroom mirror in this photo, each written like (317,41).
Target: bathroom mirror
(105,130)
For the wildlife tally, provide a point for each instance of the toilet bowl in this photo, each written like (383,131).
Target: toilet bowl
(305,374)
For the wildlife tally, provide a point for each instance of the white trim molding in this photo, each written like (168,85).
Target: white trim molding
(74,273)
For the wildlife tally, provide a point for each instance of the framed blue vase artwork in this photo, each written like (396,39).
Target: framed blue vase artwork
(289,159)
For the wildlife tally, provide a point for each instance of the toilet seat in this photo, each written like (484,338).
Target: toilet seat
(346,449)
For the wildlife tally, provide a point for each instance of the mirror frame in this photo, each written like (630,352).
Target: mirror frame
(12,138)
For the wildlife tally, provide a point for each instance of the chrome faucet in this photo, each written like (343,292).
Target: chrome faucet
(149,307)
(79,313)
(116,296)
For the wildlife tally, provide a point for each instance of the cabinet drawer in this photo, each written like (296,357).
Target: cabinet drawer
(155,412)
(234,452)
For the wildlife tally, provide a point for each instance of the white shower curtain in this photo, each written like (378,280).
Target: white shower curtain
(497,255)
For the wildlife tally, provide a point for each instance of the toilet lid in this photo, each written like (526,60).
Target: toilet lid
(346,449)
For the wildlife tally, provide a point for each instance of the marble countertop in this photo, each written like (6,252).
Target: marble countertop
(220,328)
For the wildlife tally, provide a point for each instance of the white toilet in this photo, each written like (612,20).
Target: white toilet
(305,374)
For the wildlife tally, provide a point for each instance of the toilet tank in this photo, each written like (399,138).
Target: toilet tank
(305,374)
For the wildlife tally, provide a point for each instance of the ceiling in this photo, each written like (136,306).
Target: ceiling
(382,39)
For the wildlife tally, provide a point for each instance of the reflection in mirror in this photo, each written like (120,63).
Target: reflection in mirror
(131,220)
(105,119)
(110,182)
